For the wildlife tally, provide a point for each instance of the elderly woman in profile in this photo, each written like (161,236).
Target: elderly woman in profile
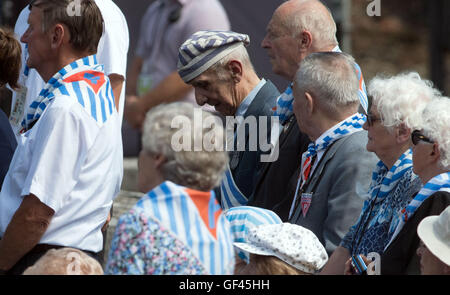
(393,115)
(177,227)
(431,162)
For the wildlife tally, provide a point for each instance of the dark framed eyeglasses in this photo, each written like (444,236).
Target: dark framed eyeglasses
(416,136)
(371,119)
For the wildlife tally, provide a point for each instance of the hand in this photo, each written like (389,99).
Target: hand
(134,111)
(348,270)
(105,226)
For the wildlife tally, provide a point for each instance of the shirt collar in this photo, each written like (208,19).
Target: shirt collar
(330,131)
(243,107)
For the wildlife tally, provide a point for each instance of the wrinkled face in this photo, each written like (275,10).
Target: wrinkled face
(216,92)
(282,48)
(429,264)
(38,42)
(380,140)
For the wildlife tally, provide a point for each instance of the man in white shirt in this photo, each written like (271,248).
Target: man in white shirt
(111,52)
(68,166)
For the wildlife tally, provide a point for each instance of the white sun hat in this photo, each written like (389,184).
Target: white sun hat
(293,244)
(434,231)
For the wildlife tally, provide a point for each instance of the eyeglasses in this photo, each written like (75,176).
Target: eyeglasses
(371,119)
(416,136)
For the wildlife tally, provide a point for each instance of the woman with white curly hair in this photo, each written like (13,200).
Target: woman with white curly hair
(431,161)
(395,108)
(178,226)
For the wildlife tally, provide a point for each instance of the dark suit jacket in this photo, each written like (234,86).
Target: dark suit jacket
(400,257)
(339,185)
(249,164)
(272,183)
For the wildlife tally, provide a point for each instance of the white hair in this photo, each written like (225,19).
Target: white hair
(314,20)
(200,170)
(330,77)
(240,53)
(400,99)
(435,125)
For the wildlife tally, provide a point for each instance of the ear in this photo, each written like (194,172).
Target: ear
(403,134)
(235,68)
(306,40)
(435,153)
(57,35)
(159,160)
(310,103)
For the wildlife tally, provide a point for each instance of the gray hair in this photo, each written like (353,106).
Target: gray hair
(331,78)
(201,170)
(400,99)
(435,124)
(317,19)
(240,54)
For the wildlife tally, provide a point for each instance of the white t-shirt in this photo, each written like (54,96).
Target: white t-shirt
(111,52)
(73,165)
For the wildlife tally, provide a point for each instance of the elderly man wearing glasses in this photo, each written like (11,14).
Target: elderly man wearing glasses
(394,112)
(431,161)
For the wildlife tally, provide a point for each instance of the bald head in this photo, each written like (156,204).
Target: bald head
(309,15)
(297,29)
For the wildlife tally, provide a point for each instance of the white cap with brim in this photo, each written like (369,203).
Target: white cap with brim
(434,231)
(293,244)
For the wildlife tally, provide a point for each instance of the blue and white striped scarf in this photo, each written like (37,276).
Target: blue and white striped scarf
(392,177)
(231,195)
(93,91)
(284,108)
(440,182)
(284,105)
(196,219)
(347,127)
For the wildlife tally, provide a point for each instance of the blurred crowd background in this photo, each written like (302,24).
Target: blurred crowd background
(408,34)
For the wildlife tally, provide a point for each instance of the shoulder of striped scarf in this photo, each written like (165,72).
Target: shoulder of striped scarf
(196,219)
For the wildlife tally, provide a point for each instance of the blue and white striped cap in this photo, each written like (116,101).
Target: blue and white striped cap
(243,218)
(205,48)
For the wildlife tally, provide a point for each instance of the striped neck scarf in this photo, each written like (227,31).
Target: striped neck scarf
(64,81)
(196,219)
(284,108)
(440,182)
(284,105)
(381,189)
(348,126)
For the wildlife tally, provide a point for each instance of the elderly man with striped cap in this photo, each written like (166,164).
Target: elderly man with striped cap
(217,65)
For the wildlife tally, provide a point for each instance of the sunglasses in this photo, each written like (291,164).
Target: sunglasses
(416,136)
(371,119)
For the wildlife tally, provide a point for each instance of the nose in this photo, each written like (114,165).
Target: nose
(366,125)
(24,37)
(265,42)
(200,98)
(419,251)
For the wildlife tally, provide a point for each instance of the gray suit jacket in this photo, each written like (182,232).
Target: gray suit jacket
(339,186)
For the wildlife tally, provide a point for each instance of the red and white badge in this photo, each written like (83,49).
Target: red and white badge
(305,202)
